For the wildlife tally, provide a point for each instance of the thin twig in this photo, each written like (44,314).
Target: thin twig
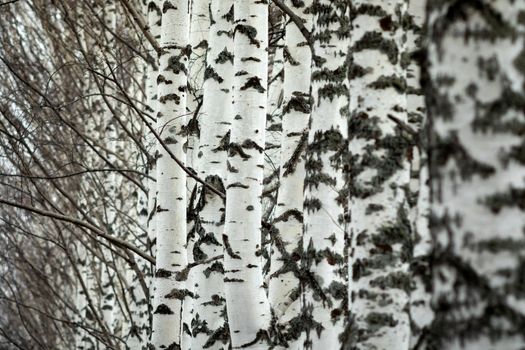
(9,2)
(94,229)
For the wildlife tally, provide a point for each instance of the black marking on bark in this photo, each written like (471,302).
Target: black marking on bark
(163,309)
(176,65)
(170,97)
(376,41)
(217,266)
(224,56)
(398,280)
(228,248)
(291,164)
(299,102)
(236,149)
(296,214)
(237,185)
(366,9)
(250,32)
(251,58)
(162,79)
(179,294)
(162,273)
(253,83)
(229,17)
(221,334)
(233,280)
(261,336)
(210,72)
(393,81)
(512,197)
(249,144)
(168,6)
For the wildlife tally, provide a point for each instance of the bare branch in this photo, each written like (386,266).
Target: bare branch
(296,20)
(143,27)
(118,242)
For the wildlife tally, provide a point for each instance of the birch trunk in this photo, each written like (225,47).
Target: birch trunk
(110,188)
(154,26)
(248,308)
(137,279)
(475,98)
(198,37)
(171,257)
(284,284)
(325,302)
(380,175)
(209,325)
(421,313)
(82,338)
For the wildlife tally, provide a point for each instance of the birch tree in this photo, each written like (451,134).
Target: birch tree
(284,289)
(248,308)
(380,173)
(209,324)
(474,89)
(325,302)
(169,291)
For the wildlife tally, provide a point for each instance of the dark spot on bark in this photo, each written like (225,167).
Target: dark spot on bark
(163,309)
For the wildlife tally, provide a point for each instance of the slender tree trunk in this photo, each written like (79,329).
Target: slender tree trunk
(380,175)
(421,313)
(139,278)
(171,257)
(107,61)
(475,96)
(209,325)
(198,39)
(81,336)
(284,285)
(248,307)
(199,29)
(154,25)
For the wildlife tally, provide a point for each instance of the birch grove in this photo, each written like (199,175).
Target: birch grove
(282,174)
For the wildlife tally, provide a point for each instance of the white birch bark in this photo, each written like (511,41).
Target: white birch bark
(284,283)
(380,176)
(154,26)
(198,37)
(135,329)
(171,257)
(247,303)
(209,326)
(82,338)
(109,181)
